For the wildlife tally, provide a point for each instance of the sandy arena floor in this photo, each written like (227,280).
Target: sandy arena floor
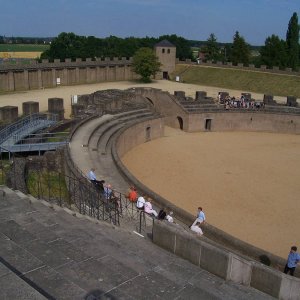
(247,183)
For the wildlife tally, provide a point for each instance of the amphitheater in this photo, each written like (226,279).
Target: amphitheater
(177,145)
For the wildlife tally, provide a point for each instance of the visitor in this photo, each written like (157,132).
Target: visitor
(197,229)
(200,217)
(108,191)
(292,261)
(148,208)
(169,217)
(140,203)
(162,214)
(132,194)
(99,184)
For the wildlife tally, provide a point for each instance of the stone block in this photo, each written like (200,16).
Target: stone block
(240,65)
(223,95)
(291,101)
(68,60)
(214,260)
(78,60)
(240,270)
(263,67)
(163,237)
(200,95)
(56,106)
(268,99)
(45,61)
(252,66)
(275,68)
(77,109)
(8,114)
(179,94)
(266,280)
(229,63)
(288,70)
(188,247)
(290,288)
(247,96)
(56,60)
(88,59)
(30,107)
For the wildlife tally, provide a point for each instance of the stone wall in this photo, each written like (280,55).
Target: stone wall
(223,263)
(259,121)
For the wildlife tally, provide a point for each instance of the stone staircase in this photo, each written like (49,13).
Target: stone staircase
(48,252)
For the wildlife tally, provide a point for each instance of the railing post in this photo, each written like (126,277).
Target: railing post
(140,229)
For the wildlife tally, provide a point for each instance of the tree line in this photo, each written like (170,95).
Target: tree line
(70,45)
(275,52)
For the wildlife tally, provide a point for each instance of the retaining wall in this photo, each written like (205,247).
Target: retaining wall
(259,121)
(224,263)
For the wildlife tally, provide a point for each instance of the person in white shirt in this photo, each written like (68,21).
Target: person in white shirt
(92,177)
(169,217)
(197,229)
(140,203)
(148,208)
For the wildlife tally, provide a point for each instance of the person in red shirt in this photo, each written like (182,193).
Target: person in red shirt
(132,194)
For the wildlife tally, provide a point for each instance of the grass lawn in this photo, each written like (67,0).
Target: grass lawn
(257,82)
(47,185)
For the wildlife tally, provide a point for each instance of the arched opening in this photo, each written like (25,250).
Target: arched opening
(180,121)
(148,133)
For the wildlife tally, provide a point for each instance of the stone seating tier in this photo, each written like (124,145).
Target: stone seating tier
(47,253)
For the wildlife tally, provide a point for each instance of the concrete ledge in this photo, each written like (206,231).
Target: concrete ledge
(240,270)
(266,280)
(215,261)
(188,248)
(212,258)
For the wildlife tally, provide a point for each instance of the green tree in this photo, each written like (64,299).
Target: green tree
(66,45)
(145,63)
(211,49)
(274,52)
(292,41)
(240,50)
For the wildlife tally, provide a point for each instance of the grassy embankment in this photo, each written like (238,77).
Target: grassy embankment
(21,50)
(256,82)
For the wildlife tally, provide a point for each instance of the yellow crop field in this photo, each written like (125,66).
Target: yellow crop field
(32,55)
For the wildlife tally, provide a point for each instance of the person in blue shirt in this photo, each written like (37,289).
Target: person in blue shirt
(292,261)
(200,217)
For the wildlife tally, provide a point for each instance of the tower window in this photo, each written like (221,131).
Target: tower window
(163,50)
(169,51)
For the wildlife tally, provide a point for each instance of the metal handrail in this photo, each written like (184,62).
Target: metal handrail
(29,121)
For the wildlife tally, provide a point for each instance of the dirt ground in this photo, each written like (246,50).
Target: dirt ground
(247,183)
(66,92)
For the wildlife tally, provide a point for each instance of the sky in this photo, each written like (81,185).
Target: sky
(192,19)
